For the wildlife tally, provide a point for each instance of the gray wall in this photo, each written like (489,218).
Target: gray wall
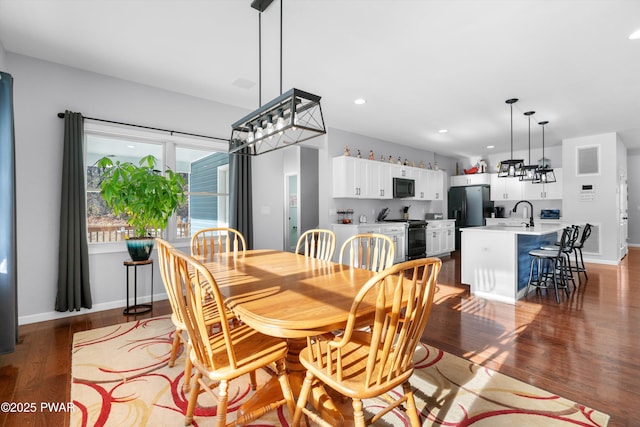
(42,89)
(3,58)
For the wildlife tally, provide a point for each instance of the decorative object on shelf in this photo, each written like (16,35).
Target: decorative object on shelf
(482,166)
(421,165)
(346,151)
(529,171)
(435,166)
(413,164)
(544,173)
(391,159)
(382,157)
(406,162)
(371,155)
(471,171)
(511,167)
(399,160)
(359,155)
(297,114)
(148,197)
(457,169)
(429,167)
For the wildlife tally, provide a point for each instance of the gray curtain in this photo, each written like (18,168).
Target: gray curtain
(74,291)
(240,205)
(8,261)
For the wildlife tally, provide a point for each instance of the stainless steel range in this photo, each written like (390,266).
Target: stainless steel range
(415,239)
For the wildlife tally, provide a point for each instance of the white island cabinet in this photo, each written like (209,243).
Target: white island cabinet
(495,259)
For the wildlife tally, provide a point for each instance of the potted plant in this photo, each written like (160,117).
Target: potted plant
(145,195)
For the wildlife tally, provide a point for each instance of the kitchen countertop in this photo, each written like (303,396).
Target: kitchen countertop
(537,230)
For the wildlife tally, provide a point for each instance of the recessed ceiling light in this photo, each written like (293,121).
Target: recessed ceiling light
(130,146)
(443,131)
(360,101)
(491,146)
(635,35)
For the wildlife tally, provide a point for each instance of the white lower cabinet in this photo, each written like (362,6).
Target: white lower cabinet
(440,237)
(397,233)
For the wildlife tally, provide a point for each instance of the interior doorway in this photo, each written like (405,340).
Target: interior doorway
(292,212)
(623,214)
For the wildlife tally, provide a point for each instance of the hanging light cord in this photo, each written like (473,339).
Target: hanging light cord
(281,1)
(259,59)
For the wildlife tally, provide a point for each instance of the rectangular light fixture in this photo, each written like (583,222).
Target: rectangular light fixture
(292,117)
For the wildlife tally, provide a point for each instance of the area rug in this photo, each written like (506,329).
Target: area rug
(120,377)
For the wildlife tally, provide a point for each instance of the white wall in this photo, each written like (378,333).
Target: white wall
(41,90)
(602,210)
(3,58)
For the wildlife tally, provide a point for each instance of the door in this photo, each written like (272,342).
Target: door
(291,212)
(623,214)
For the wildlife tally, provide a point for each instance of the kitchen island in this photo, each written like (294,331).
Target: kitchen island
(495,259)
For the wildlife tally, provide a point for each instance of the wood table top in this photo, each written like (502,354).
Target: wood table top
(284,294)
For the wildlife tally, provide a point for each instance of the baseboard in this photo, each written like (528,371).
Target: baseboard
(52,315)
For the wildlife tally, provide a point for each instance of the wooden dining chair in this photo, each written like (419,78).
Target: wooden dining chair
(317,243)
(216,240)
(365,364)
(370,251)
(227,354)
(210,310)
(180,335)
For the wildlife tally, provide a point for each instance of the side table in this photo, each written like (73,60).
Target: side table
(137,308)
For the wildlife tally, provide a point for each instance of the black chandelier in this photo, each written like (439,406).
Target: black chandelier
(528,172)
(292,117)
(511,168)
(544,173)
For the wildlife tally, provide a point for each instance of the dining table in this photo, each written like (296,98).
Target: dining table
(291,296)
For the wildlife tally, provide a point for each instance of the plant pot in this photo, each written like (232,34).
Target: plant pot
(140,247)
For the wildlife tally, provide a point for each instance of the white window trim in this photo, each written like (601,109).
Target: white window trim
(169,142)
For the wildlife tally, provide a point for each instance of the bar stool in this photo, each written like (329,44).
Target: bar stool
(551,266)
(577,250)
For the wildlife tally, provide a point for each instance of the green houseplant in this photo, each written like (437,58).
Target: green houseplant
(145,195)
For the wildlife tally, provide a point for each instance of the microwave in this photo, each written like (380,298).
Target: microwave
(403,187)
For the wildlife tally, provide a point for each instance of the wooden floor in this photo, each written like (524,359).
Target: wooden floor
(587,348)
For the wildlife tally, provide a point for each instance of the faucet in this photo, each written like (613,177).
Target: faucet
(530,210)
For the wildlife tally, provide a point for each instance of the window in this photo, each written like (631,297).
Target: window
(203,163)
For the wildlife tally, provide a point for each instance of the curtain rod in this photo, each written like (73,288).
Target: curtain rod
(61,115)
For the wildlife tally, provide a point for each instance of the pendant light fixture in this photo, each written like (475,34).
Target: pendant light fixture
(511,168)
(529,171)
(290,118)
(544,174)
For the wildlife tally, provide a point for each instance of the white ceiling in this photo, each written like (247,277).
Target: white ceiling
(422,65)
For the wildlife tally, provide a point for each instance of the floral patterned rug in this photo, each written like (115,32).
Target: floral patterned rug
(120,378)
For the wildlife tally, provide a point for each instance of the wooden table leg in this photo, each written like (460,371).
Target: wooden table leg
(319,398)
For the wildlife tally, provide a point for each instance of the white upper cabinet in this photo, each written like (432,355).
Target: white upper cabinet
(379,180)
(435,184)
(349,177)
(550,191)
(369,179)
(505,188)
(471,179)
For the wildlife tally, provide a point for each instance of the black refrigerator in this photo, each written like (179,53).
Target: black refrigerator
(469,206)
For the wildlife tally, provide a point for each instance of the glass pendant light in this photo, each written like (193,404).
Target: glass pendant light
(511,168)
(544,174)
(529,171)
